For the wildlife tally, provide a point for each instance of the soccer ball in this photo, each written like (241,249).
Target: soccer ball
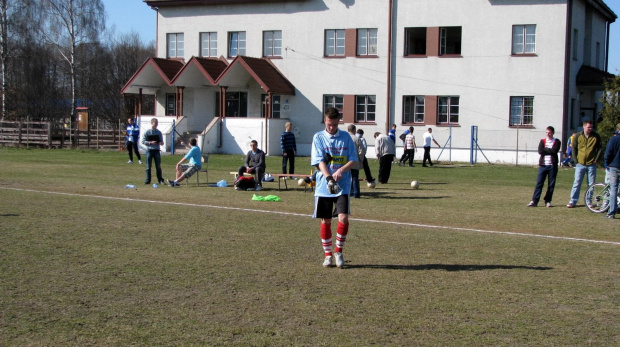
(371,184)
(415,184)
(301,182)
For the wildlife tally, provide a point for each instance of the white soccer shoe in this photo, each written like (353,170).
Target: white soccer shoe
(339,260)
(329,261)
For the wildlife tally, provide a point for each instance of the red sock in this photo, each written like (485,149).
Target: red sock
(326,238)
(341,236)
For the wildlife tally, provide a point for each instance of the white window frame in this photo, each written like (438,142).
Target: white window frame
(334,42)
(448,109)
(443,41)
(175,45)
(524,39)
(365,108)
(367,41)
(236,43)
(521,113)
(413,109)
(334,100)
(208,44)
(272,43)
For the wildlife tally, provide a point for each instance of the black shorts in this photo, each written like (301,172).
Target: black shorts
(324,206)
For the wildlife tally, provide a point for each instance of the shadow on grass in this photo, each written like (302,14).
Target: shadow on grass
(447,267)
(387,195)
(9,215)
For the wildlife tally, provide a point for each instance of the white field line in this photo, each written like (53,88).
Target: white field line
(429,226)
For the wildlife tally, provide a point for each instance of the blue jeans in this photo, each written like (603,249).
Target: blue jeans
(153,154)
(614,177)
(580,171)
(550,171)
(355,183)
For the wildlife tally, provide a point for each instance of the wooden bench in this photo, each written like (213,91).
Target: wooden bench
(285,177)
(236,174)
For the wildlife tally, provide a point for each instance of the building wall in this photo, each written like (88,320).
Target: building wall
(484,77)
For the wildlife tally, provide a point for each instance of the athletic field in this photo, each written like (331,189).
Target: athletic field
(459,262)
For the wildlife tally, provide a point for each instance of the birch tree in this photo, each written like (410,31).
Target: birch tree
(67,25)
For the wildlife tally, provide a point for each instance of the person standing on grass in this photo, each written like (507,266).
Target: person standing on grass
(548,148)
(153,139)
(386,150)
(612,162)
(184,171)
(392,133)
(587,148)
(428,138)
(409,148)
(333,154)
(367,172)
(254,164)
(289,148)
(355,170)
(132,138)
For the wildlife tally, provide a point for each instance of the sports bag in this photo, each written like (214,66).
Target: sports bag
(245,183)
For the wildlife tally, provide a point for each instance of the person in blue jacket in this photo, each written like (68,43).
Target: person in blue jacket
(132,137)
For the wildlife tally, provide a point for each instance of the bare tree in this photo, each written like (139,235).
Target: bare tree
(68,25)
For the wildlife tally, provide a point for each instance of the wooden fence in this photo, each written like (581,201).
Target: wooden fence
(54,135)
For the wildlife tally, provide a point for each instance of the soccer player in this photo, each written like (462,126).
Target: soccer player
(333,154)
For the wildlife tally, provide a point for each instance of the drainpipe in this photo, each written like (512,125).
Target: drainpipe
(389,68)
(567,72)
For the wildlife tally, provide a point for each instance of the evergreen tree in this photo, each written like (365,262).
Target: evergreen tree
(611,109)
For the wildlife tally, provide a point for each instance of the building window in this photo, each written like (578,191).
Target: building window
(236,43)
(236,104)
(450,40)
(521,110)
(335,101)
(448,110)
(272,43)
(171,105)
(175,45)
(208,44)
(365,108)
(366,41)
(575,43)
(524,39)
(415,41)
(276,106)
(597,57)
(334,42)
(413,109)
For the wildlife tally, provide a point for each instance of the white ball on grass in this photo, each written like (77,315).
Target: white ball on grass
(415,184)
(301,182)
(371,184)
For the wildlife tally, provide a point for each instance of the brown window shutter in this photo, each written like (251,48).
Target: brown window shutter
(348,109)
(432,41)
(430,110)
(350,42)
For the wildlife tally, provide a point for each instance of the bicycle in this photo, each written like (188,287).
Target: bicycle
(597,197)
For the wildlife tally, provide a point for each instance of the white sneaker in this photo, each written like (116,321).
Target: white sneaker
(140,161)
(130,162)
(339,259)
(329,261)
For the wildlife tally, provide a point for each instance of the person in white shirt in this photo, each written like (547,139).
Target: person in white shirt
(428,138)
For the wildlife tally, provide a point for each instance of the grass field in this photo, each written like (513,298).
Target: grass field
(459,262)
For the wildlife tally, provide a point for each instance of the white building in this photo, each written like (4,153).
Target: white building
(486,74)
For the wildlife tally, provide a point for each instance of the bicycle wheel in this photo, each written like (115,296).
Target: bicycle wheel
(597,197)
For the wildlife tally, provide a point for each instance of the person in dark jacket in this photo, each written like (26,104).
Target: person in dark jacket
(289,148)
(612,162)
(548,148)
